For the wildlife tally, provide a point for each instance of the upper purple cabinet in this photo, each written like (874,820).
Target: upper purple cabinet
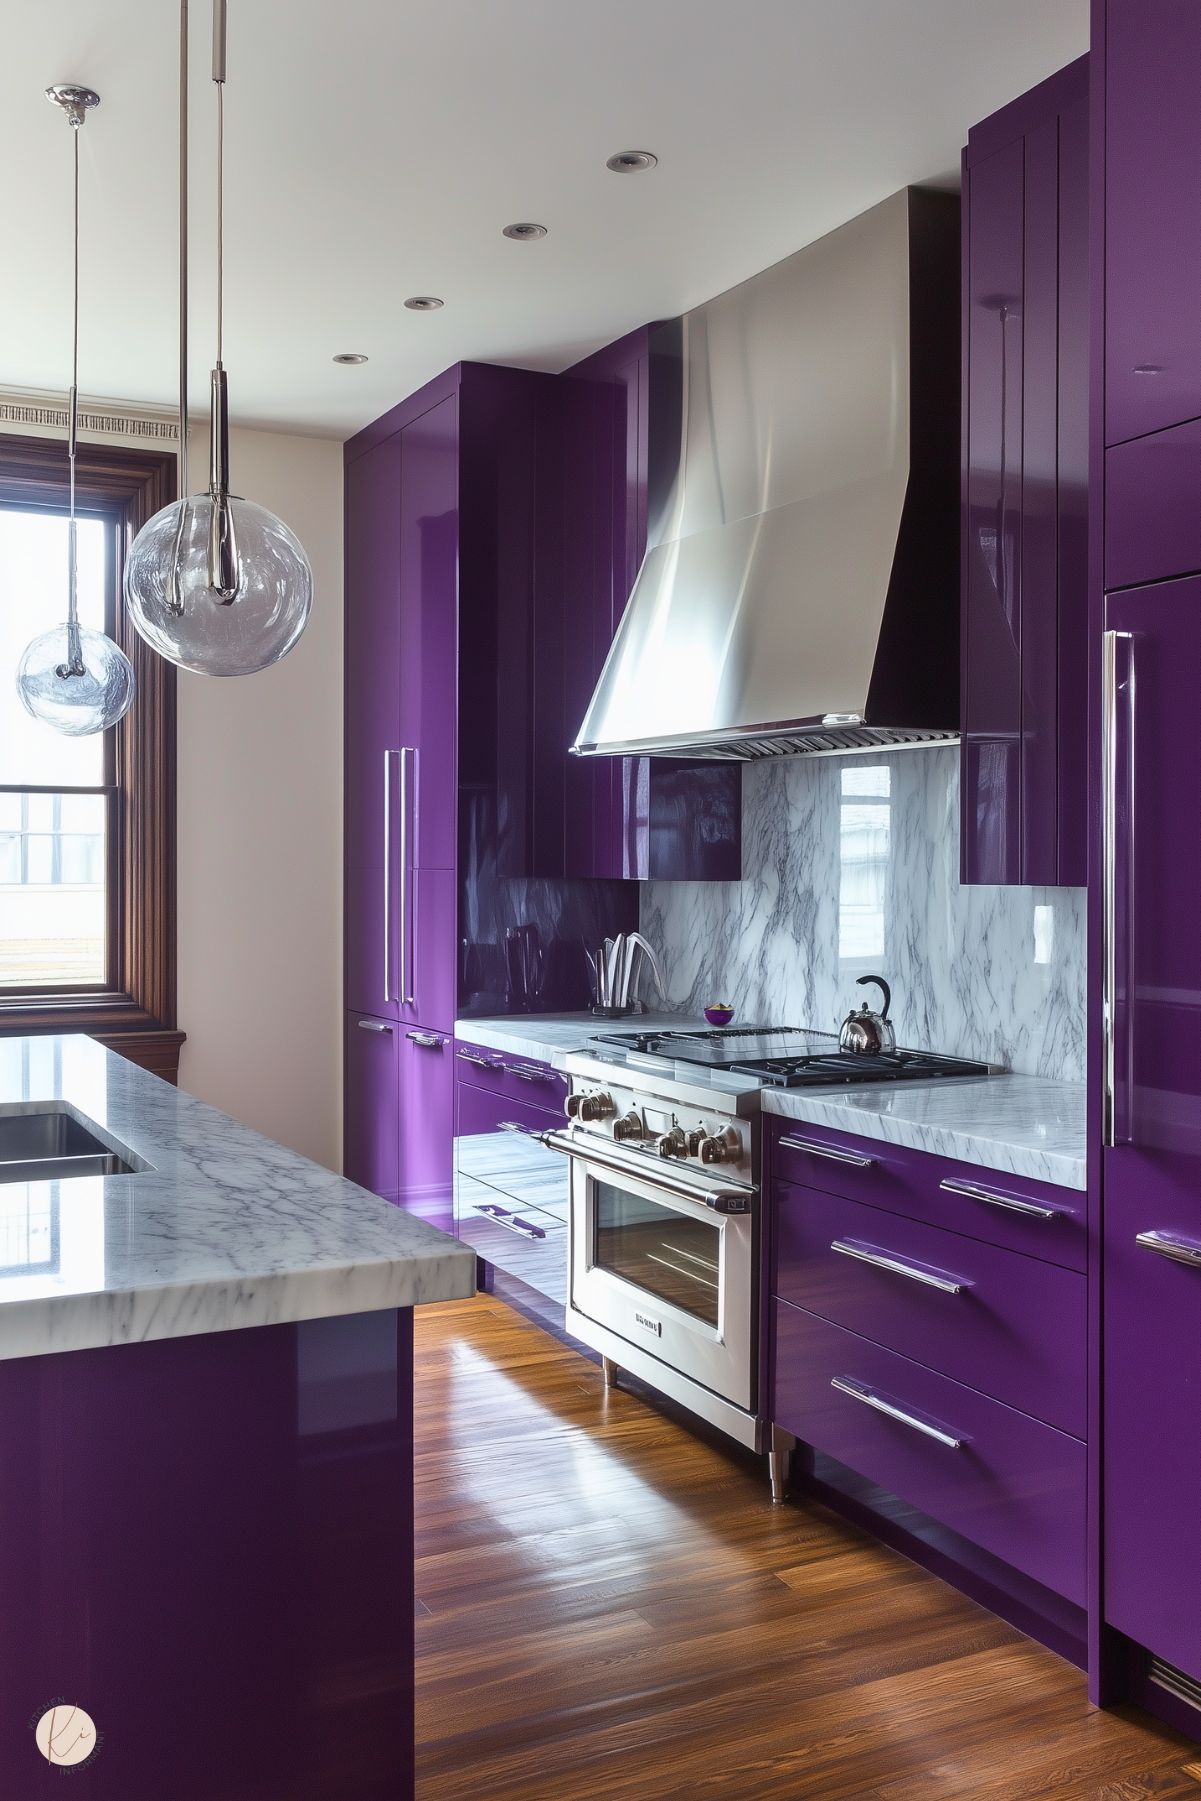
(1152,216)
(645,818)
(1025,489)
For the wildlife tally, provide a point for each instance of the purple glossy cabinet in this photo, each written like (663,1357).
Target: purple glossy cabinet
(1152,1168)
(372,728)
(425,1181)
(1152,215)
(1025,489)
(371,1078)
(429,551)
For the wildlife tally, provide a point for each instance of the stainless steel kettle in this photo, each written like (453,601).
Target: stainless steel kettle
(865,1033)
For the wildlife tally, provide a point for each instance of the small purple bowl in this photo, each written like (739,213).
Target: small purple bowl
(719,1015)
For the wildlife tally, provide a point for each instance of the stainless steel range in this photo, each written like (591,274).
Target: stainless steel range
(668,1274)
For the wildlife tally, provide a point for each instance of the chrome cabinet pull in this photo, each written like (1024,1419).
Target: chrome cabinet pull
(529,1072)
(429,1041)
(512,1222)
(374,1025)
(479,1062)
(827,1150)
(1113,1135)
(868,1253)
(972,1191)
(847,1386)
(1171,1246)
(511,1125)
(388,756)
(406,973)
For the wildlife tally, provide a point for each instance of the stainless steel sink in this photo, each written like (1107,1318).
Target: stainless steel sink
(51,1146)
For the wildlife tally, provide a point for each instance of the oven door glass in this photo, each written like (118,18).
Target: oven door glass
(672,1255)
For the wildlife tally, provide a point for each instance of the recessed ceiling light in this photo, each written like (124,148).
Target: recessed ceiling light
(524,230)
(350,356)
(424,303)
(629,162)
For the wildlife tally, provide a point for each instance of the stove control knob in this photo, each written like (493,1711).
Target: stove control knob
(696,1139)
(630,1126)
(593,1106)
(673,1143)
(725,1147)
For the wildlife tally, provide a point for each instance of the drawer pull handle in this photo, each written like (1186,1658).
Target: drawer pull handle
(828,1151)
(527,1072)
(973,1192)
(512,1222)
(511,1125)
(1167,1244)
(846,1386)
(429,1041)
(870,1253)
(479,1062)
(374,1025)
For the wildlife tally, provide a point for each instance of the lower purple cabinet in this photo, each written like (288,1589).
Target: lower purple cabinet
(511,1192)
(1003,1480)
(1010,1326)
(426,1119)
(371,1154)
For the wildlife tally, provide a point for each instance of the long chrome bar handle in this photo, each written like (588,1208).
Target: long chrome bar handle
(1109,757)
(897,1266)
(846,1385)
(828,1151)
(388,756)
(974,1191)
(406,971)
(1172,1246)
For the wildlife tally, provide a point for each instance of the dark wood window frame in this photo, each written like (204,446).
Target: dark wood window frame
(136,1014)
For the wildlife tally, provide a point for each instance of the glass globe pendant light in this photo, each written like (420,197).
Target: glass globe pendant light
(72,678)
(214,583)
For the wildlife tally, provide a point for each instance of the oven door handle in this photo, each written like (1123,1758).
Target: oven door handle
(718,1200)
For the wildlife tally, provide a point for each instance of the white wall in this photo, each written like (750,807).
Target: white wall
(260,838)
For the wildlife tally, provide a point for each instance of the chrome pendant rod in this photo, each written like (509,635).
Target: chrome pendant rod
(175,584)
(223,570)
(74,664)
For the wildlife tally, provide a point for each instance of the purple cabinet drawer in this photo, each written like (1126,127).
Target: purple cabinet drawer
(1153,507)
(1003,1480)
(520,1079)
(523,1241)
(1039,1218)
(1008,1325)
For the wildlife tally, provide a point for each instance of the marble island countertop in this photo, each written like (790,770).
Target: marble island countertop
(1019,1125)
(221,1228)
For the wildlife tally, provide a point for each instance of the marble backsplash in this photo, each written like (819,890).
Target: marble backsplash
(851,866)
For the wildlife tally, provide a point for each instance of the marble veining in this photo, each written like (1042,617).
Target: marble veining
(851,866)
(1019,1125)
(222,1229)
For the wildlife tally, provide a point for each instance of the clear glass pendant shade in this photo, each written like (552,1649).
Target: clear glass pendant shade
(180,614)
(79,693)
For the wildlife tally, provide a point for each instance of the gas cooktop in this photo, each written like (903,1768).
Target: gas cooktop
(787,1056)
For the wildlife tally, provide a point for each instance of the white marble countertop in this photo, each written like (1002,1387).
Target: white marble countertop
(223,1229)
(1019,1125)
(552,1037)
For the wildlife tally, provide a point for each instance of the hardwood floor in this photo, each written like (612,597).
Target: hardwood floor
(609,1606)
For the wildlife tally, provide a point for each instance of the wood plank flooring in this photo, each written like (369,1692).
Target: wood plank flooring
(610,1606)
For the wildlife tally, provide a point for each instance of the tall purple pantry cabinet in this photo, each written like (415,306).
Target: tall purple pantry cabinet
(1025,488)
(1147,962)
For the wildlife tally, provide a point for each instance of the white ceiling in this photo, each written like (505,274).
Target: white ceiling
(375,148)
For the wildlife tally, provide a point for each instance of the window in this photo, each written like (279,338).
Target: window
(87,848)
(865,831)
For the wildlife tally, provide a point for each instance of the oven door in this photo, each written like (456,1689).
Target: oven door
(666,1272)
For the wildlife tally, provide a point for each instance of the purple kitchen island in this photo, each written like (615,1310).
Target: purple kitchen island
(206,1514)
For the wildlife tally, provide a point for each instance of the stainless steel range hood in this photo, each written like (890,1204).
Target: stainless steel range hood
(800,589)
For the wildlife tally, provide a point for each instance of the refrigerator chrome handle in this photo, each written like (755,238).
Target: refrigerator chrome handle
(897,1266)
(1171,1246)
(407,947)
(1113,1134)
(846,1385)
(388,756)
